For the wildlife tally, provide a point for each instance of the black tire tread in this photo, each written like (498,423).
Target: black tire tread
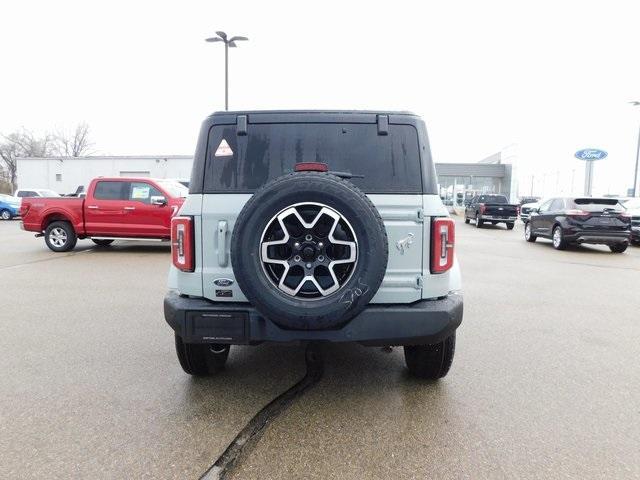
(71,236)
(431,361)
(197,359)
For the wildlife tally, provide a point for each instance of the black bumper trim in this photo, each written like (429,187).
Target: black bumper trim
(422,322)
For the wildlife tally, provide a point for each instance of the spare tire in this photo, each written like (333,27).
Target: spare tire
(309,250)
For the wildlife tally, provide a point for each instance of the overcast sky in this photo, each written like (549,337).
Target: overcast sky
(551,77)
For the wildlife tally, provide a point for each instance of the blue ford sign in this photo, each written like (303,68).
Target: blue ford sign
(590,154)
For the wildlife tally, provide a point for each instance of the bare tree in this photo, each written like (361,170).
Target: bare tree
(23,143)
(75,144)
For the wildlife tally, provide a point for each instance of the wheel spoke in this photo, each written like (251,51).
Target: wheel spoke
(313,241)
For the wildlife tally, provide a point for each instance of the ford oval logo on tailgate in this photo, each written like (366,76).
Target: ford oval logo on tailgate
(223,282)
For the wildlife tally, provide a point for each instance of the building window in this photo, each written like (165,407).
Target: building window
(58,177)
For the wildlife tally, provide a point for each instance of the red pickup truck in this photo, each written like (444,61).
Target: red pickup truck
(114,208)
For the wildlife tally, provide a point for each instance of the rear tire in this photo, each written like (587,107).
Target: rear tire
(619,248)
(559,243)
(510,226)
(430,362)
(201,359)
(5,215)
(60,236)
(528,234)
(102,243)
(466,220)
(478,221)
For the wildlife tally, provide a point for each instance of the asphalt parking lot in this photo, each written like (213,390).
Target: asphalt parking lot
(545,383)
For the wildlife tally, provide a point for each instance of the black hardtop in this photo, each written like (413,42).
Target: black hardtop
(313,116)
(242,119)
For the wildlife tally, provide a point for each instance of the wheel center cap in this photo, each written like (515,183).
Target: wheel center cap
(308,253)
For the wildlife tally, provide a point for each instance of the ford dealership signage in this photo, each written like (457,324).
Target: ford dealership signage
(590,154)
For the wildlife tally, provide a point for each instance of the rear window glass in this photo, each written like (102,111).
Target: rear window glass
(492,199)
(598,204)
(111,191)
(388,163)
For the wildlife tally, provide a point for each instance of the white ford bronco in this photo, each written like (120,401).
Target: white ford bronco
(305,226)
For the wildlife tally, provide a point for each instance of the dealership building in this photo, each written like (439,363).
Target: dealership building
(457,181)
(66,174)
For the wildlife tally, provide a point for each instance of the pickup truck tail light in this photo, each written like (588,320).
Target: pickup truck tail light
(483,207)
(182,247)
(443,238)
(24,209)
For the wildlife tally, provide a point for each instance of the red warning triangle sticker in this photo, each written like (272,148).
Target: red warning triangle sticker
(224,150)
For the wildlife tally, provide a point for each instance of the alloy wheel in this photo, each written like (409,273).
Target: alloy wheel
(58,237)
(557,237)
(308,250)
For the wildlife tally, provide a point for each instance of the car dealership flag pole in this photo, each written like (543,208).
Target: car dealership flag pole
(228,42)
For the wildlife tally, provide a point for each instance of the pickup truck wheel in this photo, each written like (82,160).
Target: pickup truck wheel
(60,236)
(619,248)
(466,220)
(430,361)
(528,234)
(102,243)
(201,359)
(510,226)
(478,221)
(5,215)
(559,243)
(309,250)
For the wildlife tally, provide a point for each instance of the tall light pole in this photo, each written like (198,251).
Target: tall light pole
(635,174)
(228,42)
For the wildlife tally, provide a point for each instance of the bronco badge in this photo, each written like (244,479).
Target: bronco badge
(404,244)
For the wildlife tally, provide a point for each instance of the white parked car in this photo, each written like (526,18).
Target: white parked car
(35,192)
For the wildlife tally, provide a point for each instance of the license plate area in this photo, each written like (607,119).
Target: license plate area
(217,327)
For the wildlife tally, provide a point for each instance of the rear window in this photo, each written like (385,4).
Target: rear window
(598,204)
(388,163)
(111,191)
(492,199)
(26,193)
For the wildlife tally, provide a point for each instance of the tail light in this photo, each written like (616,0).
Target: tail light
(517,211)
(443,237)
(24,209)
(577,213)
(182,243)
(483,207)
(311,167)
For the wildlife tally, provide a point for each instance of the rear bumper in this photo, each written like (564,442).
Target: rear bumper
(598,237)
(496,218)
(424,322)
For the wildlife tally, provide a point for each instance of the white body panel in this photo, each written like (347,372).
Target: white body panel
(407,219)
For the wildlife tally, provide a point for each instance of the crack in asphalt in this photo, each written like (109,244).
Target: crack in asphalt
(48,259)
(249,436)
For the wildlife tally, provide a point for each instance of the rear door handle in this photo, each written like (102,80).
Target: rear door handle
(93,207)
(129,208)
(222,243)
